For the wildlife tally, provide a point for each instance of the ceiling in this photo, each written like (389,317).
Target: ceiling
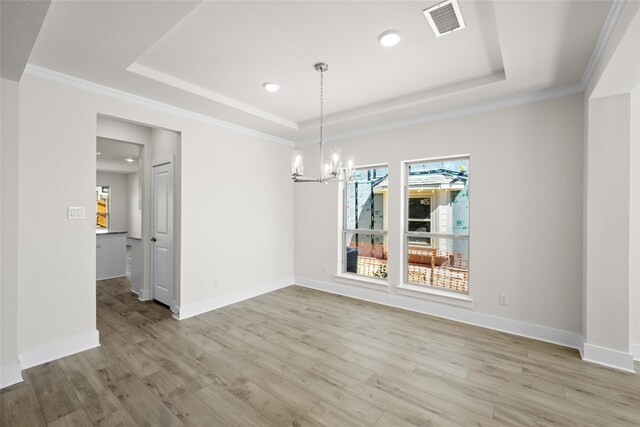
(113,154)
(212,57)
(20,23)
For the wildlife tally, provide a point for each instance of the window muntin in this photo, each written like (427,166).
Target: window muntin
(437,224)
(364,229)
(419,207)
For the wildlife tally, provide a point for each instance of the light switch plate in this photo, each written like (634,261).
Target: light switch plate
(76,212)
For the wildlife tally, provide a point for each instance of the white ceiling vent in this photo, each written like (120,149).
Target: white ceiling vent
(444,18)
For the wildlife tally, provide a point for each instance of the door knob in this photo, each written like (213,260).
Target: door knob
(153,239)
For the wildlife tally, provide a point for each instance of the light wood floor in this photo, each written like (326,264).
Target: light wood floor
(302,357)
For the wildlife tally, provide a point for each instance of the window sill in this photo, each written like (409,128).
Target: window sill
(366,282)
(445,297)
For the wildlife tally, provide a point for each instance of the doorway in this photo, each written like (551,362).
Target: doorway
(153,229)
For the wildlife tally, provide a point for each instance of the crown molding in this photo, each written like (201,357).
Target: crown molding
(161,77)
(99,89)
(603,40)
(404,101)
(459,112)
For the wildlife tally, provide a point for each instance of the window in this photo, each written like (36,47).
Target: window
(436,230)
(364,229)
(102,207)
(420,215)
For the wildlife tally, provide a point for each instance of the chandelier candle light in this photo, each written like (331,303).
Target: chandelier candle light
(331,171)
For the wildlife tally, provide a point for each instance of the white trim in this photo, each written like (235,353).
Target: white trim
(603,39)
(161,77)
(367,282)
(144,295)
(68,80)
(635,351)
(490,105)
(432,294)
(10,375)
(528,330)
(194,309)
(607,357)
(110,277)
(58,349)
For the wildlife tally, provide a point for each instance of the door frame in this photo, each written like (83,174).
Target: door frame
(171,161)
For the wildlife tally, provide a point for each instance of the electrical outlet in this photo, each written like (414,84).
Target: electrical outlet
(503,298)
(325,269)
(216,282)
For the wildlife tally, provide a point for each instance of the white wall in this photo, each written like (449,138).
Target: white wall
(134,217)
(119,199)
(9,223)
(610,233)
(634,225)
(122,130)
(607,323)
(57,258)
(525,212)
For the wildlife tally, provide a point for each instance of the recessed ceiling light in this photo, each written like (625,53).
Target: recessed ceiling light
(271,87)
(389,38)
(129,160)
(98,153)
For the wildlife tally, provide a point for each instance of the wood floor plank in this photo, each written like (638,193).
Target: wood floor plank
(20,407)
(327,391)
(233,410)
(78,418)
(389,420)
(298,356)
(119,418)
(97,400)
(328,415)
(284,390)
(175,394)
(143,405)
(55,395)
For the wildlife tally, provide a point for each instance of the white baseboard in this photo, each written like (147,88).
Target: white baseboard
(635,351)
(144,295)
(607,357)
(191,310)
(463,315)
(10,375)
(57,349)
(111,277)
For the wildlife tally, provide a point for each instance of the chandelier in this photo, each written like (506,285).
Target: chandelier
(333,170)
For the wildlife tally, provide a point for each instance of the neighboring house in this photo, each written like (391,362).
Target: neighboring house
(437,203)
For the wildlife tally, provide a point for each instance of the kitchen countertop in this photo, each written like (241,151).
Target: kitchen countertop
(99,232)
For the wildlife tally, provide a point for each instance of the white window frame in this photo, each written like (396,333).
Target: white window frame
(342,275)
(449,296)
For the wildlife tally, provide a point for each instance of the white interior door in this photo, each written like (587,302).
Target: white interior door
(162,233)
